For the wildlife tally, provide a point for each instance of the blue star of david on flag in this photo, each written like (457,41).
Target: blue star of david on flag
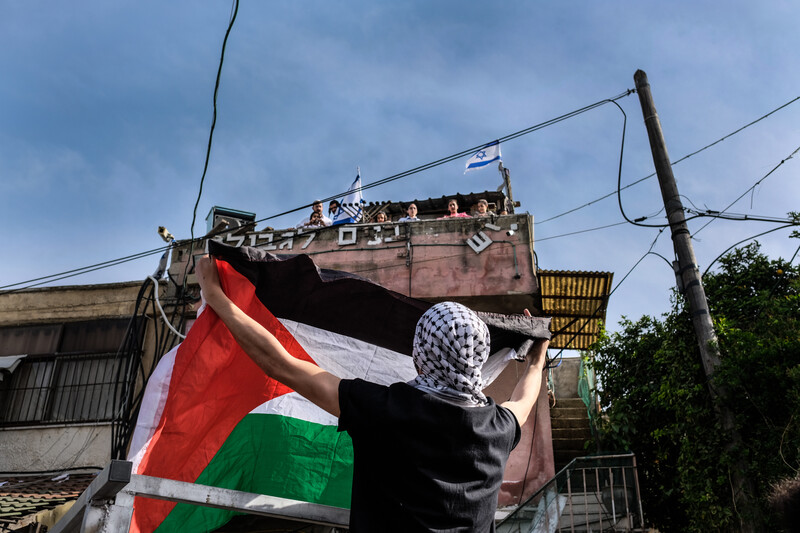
(484,156)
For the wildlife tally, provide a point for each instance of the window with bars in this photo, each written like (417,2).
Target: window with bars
(70,372)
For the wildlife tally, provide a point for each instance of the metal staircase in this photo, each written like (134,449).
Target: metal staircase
(591,494)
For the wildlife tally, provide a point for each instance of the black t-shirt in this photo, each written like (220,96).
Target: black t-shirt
(423,463)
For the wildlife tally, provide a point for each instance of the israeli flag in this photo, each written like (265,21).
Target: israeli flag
(488,154)
(352,205)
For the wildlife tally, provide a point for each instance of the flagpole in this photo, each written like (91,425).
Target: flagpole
(507,181)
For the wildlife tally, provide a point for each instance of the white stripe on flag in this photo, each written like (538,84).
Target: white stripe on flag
(484,156)
(153,401)
(348,358)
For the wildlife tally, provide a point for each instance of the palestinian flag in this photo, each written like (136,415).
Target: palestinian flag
(211,416)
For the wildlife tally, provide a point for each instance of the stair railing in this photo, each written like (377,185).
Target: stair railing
(594,493)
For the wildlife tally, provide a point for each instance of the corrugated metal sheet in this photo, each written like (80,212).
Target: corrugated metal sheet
(577,301)
(21,496)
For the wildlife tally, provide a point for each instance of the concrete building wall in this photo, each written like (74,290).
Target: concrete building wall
(54,448)
(63,446)
(67,304)
(565,378)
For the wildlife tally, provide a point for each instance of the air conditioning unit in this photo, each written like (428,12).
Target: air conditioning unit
(232,218)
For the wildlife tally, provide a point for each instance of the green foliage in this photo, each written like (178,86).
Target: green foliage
(656,401)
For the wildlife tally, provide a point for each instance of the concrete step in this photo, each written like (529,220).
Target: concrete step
(569,403)
(571,429)
(569,422)
(557,414)
(572,433)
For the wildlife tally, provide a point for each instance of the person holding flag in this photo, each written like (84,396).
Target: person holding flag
(429,454)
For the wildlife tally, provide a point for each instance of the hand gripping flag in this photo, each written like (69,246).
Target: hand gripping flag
(211,416)
(352,205)
(484,156)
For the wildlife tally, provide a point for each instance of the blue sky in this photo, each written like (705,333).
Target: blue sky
(105,110)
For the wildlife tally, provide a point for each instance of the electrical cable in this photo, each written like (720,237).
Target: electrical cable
(383,181)
(79,271)
(673,163)
(115,262)
(580,231)
(235,11)
(463,153)
(603,305)
(752,187)
(775,285)
(161,309)
(742,217)
(744,240)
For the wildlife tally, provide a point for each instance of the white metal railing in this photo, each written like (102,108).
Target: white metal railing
(107,504)
(596,493)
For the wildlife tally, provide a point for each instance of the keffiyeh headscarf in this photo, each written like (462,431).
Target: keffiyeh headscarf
(451,343)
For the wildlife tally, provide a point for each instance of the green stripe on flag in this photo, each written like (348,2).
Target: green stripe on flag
(277,456)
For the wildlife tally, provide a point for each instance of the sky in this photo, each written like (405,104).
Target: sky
(106,109)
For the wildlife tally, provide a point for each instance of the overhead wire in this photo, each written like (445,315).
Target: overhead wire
(673,163)
(740,217)
(613,290)
(418,169)
(235,11)
(114,262)
(540,239)
(729,248)
(751,188)
(79,271)
(466,152)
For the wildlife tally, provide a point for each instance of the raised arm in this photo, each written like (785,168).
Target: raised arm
(307,379)
(523,398)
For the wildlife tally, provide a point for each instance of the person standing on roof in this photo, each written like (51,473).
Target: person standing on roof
(452,208)
(333,208)
(411,214)
(429,455)
(316,207)
(482,209)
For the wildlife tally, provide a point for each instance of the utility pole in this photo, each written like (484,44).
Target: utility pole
(692,287)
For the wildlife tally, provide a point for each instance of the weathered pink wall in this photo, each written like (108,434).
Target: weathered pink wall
(531,463)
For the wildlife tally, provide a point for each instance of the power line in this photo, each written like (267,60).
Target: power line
(756,184)
(729,248)
(739,217)
(214,115)
(603,305)
(383,181)
(235,11)
(114,262)
(580,231)
(81,270)
(706,147)
(466,152)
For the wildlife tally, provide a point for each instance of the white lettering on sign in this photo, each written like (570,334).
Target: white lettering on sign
(308,241)
(256,237)
(266,237)
(238,239)
(479,242)
(288,242)
(347,236)
(377,238)
(396,235)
